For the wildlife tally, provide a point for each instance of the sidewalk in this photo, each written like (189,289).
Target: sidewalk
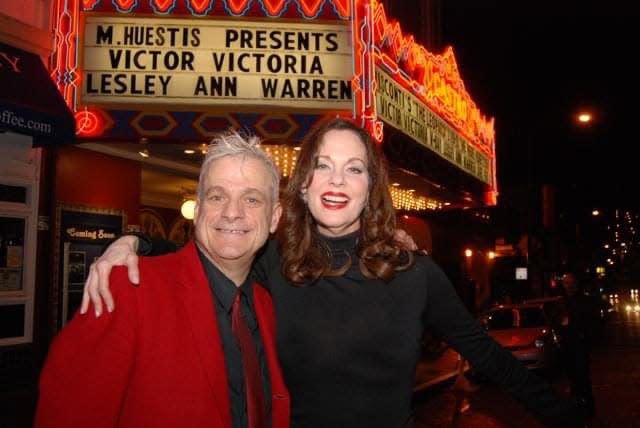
(431,372)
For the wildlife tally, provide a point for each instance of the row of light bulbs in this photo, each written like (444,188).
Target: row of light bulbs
(285,158)
(402,200)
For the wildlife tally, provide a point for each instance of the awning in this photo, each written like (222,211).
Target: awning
(30,103)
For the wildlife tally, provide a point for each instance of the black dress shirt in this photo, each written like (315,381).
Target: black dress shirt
(223,291)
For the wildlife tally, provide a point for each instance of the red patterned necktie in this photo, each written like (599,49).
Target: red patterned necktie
(254,391)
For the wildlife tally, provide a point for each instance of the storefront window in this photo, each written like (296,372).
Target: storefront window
(15,294)
(13,193)
(12,231)
(12,321)
(19,178)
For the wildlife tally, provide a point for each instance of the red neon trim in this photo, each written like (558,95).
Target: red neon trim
(89,123)
(237,6)
(89,4)
(125,4)
(274,7)
(163,5)
(200,5)
(379,25)
(310,7)
(438,76)
(343,7)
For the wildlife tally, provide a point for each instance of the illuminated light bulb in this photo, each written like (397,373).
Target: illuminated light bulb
(584,117)
(188,209)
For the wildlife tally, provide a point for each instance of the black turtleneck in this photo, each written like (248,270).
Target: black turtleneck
(349,345)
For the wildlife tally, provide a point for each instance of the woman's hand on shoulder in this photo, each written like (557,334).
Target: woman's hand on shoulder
(122,252)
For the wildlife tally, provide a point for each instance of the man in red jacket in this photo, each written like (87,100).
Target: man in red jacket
(195,345)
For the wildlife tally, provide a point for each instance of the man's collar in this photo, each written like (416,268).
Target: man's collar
(223,288)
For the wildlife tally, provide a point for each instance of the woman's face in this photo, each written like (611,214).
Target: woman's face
(339,185)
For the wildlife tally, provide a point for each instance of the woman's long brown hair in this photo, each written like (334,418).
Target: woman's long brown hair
(304,255)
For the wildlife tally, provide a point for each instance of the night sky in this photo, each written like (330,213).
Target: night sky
(532,66)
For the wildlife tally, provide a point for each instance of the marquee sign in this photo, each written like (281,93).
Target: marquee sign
(401,109)
(216,62)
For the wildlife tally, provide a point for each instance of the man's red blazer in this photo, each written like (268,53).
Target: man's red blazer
(156,361)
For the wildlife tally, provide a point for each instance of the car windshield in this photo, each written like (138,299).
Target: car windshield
(500,319)
(531,317)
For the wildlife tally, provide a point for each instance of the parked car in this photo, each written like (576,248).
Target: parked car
(526,330)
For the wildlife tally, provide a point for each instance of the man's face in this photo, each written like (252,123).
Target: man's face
(235,211)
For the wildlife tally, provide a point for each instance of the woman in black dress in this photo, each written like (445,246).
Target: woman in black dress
(352,305)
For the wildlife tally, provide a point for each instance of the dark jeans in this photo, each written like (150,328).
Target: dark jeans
(576,362)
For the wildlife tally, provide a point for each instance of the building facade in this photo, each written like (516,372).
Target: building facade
(148,82)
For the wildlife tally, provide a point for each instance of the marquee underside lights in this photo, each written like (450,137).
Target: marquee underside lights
(407,200)
(285,158)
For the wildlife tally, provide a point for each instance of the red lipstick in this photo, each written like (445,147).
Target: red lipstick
(334,200)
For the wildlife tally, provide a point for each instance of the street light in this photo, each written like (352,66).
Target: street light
(584,117)
(595,213)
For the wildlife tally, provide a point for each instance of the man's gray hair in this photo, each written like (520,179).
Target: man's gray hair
(232,143)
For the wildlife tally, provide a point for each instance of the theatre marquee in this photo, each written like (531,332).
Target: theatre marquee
(216,62)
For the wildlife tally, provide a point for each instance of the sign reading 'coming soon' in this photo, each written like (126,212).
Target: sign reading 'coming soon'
(216,62)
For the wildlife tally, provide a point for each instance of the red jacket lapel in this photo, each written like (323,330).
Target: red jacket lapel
(204,326)
(200,312)
(280,408)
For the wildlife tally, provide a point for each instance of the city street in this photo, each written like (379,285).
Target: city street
(616,376)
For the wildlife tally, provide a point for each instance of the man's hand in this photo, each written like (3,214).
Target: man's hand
(404,239)
(120,253)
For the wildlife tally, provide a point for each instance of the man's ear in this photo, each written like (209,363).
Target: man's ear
(275,216)
(195,209)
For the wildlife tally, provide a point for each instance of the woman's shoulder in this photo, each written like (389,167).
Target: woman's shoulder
(425,268)
(424,263)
